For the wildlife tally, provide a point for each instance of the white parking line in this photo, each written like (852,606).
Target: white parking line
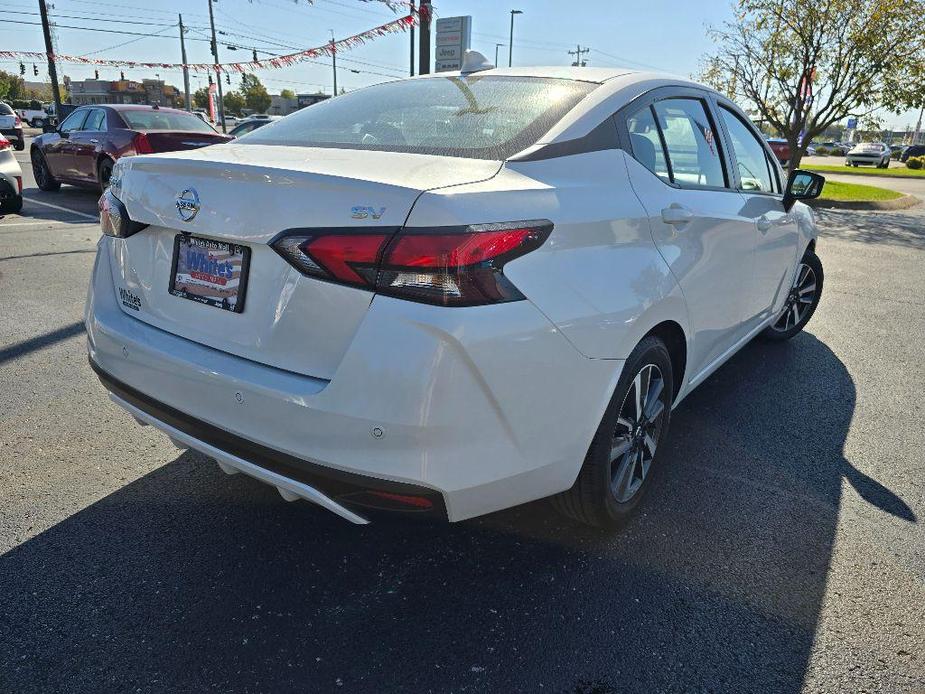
(95,218)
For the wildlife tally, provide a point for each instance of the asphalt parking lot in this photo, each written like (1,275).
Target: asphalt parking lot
(782,549)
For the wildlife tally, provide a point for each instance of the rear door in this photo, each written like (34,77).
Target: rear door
(759,181)
(86,142)
(679,172)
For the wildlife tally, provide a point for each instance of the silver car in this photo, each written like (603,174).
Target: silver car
(873,153)
(10,179)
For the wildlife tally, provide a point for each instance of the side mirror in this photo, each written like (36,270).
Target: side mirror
(802,185)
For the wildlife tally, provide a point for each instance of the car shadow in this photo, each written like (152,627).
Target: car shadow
(187,580)
(894,228)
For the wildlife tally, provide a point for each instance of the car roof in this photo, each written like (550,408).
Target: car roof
(135,107)
(582,74)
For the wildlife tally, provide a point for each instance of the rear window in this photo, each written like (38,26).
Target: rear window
(165,120)
(5,110)
(484,117)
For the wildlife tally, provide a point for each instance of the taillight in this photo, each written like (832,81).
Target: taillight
(114,219)
(4,143)
(142,144)
(448,266)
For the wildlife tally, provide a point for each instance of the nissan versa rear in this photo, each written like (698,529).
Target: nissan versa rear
(452,294)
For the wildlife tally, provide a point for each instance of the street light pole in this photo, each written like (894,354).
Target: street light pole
(497,46)
(186,95)
(510,45)
(411,5)
(334,60)
(218,76)
(50,52)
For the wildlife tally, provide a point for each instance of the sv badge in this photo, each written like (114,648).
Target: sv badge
(367,212)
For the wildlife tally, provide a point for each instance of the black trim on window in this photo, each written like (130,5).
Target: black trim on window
(721,102)
(347,488)
(603,137)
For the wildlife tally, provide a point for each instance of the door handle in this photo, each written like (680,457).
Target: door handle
(763,224)
(676,215)
(94,141)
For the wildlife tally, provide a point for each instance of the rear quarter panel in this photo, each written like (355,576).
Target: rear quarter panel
(599,277)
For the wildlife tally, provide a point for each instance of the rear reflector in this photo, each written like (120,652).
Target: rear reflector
(448,266)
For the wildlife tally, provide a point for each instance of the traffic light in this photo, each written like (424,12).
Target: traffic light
(210,80)
(227,78)
(255,55)
(96,74)
(35,69)
(22,69)
(121,75)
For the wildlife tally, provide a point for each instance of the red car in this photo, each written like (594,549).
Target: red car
(86,145)
(781,150)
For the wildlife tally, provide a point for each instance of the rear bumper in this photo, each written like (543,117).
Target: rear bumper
(474,409)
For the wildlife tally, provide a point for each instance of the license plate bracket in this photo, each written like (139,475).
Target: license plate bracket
(210,272)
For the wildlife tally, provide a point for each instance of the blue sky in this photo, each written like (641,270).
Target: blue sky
(664,34)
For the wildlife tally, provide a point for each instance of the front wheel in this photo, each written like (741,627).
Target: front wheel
(11,205)
(618,467)
(801,302)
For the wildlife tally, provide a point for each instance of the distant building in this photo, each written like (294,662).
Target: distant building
(309,99)
(280,106)
(148,91)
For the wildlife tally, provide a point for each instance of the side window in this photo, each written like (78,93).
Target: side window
(646,143)
(755,171)
(693,148)
(73,121)
(96,120)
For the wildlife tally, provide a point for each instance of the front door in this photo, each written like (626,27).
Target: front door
(695,218)
(758,179)
(59,152)
(86,145)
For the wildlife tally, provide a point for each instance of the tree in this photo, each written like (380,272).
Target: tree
(806,64)
(11,86)
(287,94)
(201,98)
(234,102)
(255,94)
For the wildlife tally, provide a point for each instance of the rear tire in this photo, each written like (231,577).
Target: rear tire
(802,300)
(20,144)
(11,205)
(40,171)
(104,173)
(619,465)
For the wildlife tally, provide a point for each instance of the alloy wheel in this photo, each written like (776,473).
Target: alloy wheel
(799,301)
(38,169)
(637,433)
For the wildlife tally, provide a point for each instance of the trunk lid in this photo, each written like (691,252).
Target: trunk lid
(175,141)
(247,195)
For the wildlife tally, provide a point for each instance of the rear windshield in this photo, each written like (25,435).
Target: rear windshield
(165,120)
(5,110)
(484,117)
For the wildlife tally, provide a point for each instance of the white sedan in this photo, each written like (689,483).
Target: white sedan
(10,179)
(451,294)
(874,153)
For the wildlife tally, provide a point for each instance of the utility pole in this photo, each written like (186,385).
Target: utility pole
(424,13)
(497,46)
(218,76)
(510,45)
(50,51)
(411,63)
(334,60)
(189,105)
(578,52)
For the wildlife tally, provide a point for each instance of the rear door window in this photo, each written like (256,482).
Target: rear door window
(691,142)
(96,120)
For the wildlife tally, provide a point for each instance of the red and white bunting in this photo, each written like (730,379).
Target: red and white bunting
(328,49)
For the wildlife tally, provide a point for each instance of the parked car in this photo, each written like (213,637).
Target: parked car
(11,126)
(810,150)
(835,148)
(10,179)
(781,149)
(896,151)
(247,125)
(912,151)
(873,153)
(451,294)
(37,118)
(85,147)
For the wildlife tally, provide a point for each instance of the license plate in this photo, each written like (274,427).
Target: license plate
(210,272)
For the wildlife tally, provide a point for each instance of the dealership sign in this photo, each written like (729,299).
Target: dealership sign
(452,41)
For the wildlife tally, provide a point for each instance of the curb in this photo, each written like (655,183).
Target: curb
(850,172)
(901,203)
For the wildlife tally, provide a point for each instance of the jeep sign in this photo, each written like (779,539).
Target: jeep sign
(452,40)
